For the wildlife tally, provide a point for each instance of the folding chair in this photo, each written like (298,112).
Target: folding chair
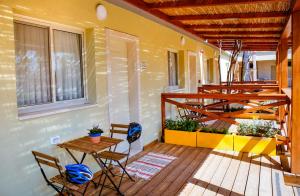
(113,156)
(59,182)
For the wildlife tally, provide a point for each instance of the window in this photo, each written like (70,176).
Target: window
(173,68)
(49,66)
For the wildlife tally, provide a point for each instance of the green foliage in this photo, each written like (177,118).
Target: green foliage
(233,109)
(214,130)
(182,125)
(95,130)
(258,129)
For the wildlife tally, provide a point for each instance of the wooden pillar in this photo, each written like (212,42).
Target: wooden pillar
(284,63)
(278,66)
(295,145)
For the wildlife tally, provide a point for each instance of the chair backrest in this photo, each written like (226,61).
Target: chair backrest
(44,159)
(119,129)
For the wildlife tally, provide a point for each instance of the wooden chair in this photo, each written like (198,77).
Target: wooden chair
(113,156)
(59,182)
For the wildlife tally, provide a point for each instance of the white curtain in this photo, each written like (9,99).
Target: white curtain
(32,65)
(173,68)
(68,65)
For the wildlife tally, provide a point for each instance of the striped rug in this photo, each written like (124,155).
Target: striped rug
(149,165)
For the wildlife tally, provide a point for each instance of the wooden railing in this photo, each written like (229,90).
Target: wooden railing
(240,88)
(259,106)
(254,82)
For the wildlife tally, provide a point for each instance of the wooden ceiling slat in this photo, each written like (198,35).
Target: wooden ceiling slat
(279,14)
(239,38)
(202,3)
(237,32)
(235,26)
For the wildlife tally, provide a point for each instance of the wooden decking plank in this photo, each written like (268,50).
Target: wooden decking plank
(242,175)
(157,179)
(186,189)
(171,177)
(218,177)
(202,174)
(228,181)
(253,177)
(203,181)
(187,173)
(265,183)
(279,188)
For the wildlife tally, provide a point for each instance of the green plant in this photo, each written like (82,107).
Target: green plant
(258,128)
(95,130)
(214,130)
(233,109)
(182,125)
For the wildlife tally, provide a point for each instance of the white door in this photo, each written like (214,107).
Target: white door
(123,82)
(192,72)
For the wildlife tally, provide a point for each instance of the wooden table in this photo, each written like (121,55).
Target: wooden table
(86,146)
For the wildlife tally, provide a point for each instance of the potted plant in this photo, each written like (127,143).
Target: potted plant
(257,137)
(215,138)
(95,134)
(181,132)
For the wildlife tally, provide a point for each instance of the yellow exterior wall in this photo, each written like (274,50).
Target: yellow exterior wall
(19,172)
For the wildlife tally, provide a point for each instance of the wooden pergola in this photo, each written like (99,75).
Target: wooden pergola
(261,25)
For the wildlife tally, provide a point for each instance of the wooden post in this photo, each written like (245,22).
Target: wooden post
(283,58)
(163,117)
(284,63)
(278,66)
(295,145)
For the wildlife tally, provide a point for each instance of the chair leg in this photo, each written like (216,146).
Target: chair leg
(124,171)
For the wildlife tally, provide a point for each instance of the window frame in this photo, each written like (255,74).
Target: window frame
(177,60)
(56,105)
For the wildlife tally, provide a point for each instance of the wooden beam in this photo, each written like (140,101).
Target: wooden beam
(287,29)
(235,26)
(237,32)
(202,3)
(284,63)
(239,38)
(297,5)
(295,145)
(250,15)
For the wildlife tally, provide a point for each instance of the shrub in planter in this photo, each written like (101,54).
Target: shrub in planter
(95,134)
(181,132)
(215,138)
(257,137)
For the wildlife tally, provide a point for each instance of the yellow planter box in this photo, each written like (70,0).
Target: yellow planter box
(215,141)
(180,137)
(257,145)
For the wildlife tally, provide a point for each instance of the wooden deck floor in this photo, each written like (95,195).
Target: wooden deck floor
(201,171)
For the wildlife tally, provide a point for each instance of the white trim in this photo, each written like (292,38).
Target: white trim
(188,79)
(39,114)
(135,40)
(56,105)
(177,55)
(48,23)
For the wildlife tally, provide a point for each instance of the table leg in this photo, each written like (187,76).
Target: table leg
(104,170)
(73,157)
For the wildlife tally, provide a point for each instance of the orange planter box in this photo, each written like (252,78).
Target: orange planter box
(184,138)
(256,145)
(215,141)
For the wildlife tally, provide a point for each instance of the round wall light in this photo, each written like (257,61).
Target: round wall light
(101,12)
